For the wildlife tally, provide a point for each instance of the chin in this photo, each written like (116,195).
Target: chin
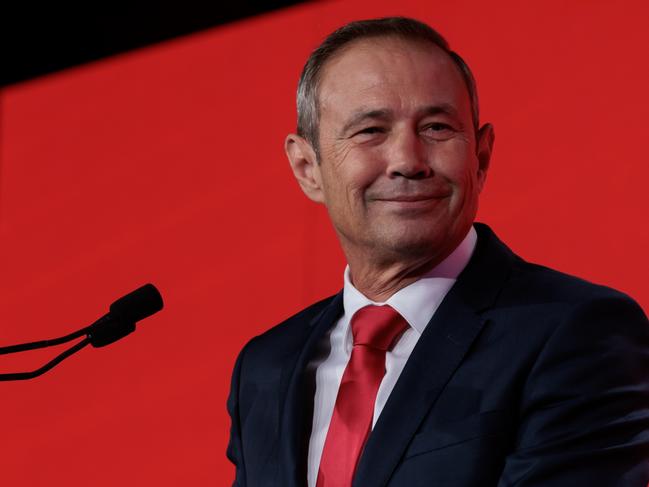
(424,238)
(414,243)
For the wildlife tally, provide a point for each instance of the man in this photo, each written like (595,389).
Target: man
(446,360)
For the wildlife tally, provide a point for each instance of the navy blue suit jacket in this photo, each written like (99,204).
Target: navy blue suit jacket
(524,377)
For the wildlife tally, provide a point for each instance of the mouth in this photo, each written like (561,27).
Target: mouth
(411,204)
(413,198)
(410,200)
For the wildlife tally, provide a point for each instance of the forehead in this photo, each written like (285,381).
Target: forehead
(392,73)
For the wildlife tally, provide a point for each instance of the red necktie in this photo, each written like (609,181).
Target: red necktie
(375,330)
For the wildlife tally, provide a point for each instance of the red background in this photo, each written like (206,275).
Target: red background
(166,165)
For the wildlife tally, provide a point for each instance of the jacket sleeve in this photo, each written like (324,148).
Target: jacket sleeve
(235,450)
(584,416)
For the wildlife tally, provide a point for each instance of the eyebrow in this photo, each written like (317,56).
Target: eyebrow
(442,108)
(384,114)
(364,114)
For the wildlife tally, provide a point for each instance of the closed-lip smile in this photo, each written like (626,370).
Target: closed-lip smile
(412,197)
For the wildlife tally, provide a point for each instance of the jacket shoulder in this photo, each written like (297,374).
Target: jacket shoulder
(522,283)
(287,336)
(537,284)
(297,321)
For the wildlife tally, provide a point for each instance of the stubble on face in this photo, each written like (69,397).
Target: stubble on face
(397,154)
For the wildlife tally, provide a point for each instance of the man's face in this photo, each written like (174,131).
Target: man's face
(400,168)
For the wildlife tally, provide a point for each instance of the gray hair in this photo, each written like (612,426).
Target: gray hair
(308,109)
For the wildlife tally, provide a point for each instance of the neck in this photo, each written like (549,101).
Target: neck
(378,279)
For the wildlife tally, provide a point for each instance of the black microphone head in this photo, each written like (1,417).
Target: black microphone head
(138,304)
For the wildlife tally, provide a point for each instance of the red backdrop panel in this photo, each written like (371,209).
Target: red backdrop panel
(166,165)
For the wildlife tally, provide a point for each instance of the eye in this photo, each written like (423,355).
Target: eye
(373,133)
(370,130)
(438,130)
(437,127)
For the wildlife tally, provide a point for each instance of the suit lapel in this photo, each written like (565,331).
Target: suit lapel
(438,353)
(296,400)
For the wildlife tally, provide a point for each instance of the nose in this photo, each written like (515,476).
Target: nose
(408,157)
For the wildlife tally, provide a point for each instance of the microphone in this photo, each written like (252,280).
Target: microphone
(117,323)
(123,314)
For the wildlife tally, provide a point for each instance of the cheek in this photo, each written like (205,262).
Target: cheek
(350,178)
(456,165)
(343,190)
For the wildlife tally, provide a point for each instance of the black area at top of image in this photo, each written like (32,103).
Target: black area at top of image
(38,39)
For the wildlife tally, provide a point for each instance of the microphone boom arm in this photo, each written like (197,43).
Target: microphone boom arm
(117,323)
(56,360)
(43,343)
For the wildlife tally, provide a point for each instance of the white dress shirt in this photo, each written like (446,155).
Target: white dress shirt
(416,302)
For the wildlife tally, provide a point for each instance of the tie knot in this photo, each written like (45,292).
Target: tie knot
(377,327)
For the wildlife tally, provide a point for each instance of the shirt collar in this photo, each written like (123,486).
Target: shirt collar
(418,301)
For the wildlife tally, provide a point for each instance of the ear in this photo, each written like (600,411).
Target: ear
(485,144)
(305,166)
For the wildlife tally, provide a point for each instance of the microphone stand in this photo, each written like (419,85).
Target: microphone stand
(43,344)
(102,332)
(119,322)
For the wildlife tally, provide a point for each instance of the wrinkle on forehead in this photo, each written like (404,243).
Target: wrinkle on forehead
(371,72)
